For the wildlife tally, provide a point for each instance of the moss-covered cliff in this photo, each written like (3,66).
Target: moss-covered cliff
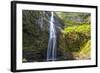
(73,35)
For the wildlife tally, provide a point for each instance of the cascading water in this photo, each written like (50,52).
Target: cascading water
(51,51)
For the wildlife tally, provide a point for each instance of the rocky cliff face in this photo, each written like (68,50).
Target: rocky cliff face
(36,34)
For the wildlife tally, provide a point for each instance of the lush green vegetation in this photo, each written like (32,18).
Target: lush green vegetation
(73,31)
(77,34)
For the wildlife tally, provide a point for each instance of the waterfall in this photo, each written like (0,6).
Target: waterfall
(51,50)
